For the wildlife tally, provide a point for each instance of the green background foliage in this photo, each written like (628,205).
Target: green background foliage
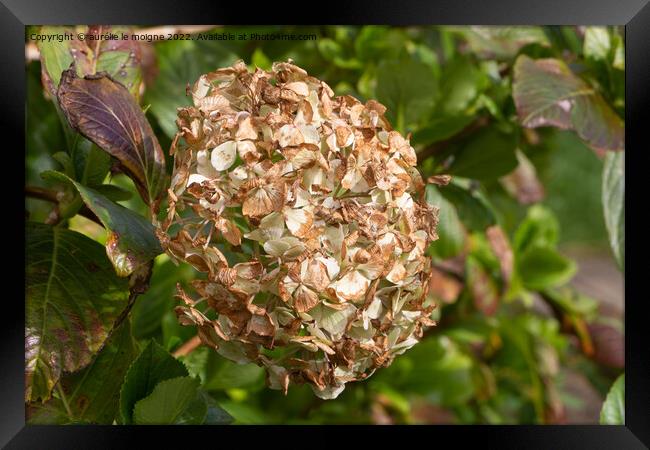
(535,158)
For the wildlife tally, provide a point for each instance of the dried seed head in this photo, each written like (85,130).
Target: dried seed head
(307,213)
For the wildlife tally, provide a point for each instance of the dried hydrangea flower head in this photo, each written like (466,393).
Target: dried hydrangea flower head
(307,215)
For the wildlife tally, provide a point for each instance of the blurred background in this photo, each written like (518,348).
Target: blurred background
(537,340)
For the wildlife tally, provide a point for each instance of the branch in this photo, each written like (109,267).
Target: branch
(188,347)
(51,196)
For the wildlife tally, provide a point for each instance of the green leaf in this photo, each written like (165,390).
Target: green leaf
(440,128)
(43,133)
(151,367)
(150,307)
(181,63)
(451,232)
(487,155)
(104,112)
(91,392)
(501,42)
(131,241)
(243,413)
(613,411)
(119,58)
(72,300)
(407,88)
(216,415)
(547,93)
(379,43)
(221,374)
(539,228)
(461,83)
(597,43)
(437,368)
(474,210)
(543,267)
(173,402)
(614,203)
(55,58)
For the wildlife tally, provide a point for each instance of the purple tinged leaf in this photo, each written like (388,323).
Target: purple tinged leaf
(547,93)
(102,110)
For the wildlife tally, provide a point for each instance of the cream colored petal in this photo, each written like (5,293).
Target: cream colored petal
(223,156)
(299,221)
(289,135)
(352,286)
(196,178)
(299,87)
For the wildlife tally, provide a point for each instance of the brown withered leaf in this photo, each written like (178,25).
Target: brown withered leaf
(482,286)
(444,287)
(440,180)
(522,183)
(501,248)
(102,110)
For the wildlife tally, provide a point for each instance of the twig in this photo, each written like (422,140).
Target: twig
(51,196)
(188,347)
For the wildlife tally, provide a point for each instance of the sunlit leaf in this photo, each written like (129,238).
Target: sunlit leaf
(72,299)
(151,367)
(172,402)
(613,411)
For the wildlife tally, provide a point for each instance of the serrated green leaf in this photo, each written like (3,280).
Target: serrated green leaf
(91,392)
(151,367)
(72,300)
(547,93)
(613,411)
(172,402)
(614,203)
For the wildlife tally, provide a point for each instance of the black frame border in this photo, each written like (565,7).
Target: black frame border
(634,14)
